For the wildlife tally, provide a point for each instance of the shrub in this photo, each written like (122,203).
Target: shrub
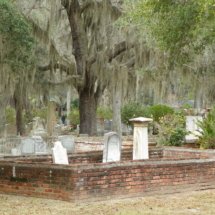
(207,139)
(187,106)
(104,112)
(133,110)
(172,129)
(75,103)
(74,117)
(159,111)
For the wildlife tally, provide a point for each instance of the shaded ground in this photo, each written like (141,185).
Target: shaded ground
(199,203)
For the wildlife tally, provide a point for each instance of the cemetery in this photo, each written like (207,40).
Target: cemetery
(114,172)
(106,99)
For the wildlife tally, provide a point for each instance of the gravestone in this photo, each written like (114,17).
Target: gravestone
(59,154)
(140,139)
(112,147)
(27,146)
(15,151)
(68,142)
(40,145)
(107,125)
(38,127)
(192,127)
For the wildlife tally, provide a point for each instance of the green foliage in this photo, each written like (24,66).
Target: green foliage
(75,103)
(74,117)
(10,116)
(207,139)
(104,112)
(159,111)
(16,35)
(42,113)
(175,26)
(133,110)
(172,129)
(186,106)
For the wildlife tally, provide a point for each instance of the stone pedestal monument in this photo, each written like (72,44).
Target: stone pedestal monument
(140,140)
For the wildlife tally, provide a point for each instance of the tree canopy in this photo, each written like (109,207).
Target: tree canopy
(177,26)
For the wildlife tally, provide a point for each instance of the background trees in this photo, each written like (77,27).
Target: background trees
(16,57)
(184,30)
(149,56)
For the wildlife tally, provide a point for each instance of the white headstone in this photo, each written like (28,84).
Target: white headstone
(59,154)
(40,145)
(15,151)
(68,142)
(112,147)
(192,127)
(27,146)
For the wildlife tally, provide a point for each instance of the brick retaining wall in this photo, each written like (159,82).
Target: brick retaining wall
(82,182)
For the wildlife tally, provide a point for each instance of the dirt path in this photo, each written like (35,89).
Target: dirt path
(198,203)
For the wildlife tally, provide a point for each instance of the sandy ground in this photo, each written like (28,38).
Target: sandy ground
(198,203)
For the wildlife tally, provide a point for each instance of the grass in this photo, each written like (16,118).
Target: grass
(198,203)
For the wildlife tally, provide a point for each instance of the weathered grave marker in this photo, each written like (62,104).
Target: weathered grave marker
(192,127)
(112,147)
(68,142)
(59,154)
(107,125)
(140,140)
(27,146)
(40,145)
(38,127)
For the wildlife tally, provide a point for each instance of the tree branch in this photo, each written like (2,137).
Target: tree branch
(130,63)
(118,49)
(56,66)
(69,78)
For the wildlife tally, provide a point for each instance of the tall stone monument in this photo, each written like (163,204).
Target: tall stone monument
(140,139)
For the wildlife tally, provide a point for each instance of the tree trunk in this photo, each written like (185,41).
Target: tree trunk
(27,107)
(198,97)
(4,98)
(87,112)
(117,125)
(18,100)
(68,102)
(19,118)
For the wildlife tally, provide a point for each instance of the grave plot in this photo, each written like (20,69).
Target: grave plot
(111,173)
(86,178)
